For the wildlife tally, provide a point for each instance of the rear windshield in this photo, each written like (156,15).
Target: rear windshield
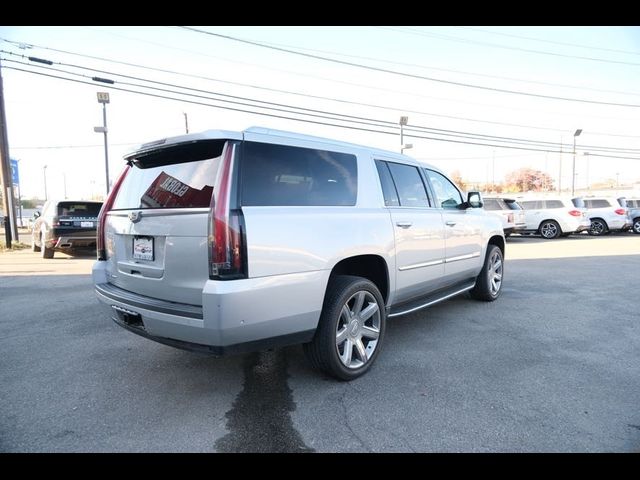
(79,209)
(172,178)
(281,175)
(578,202)
(512,204)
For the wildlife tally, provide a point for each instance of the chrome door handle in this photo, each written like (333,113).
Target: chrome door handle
(404,224)
(450,223)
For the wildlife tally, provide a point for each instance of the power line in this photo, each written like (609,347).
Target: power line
(312,112)
(555,42)
(299,119)
(378,88)
(496,45)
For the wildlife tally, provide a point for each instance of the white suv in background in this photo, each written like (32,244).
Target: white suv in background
(607,214)
(508,210)
(553,217)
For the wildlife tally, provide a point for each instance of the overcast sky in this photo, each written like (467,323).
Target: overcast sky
(524,87)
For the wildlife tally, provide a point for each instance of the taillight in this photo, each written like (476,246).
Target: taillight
(55,222)
(102,216)
(575,213)
(510,218)
(621,211)
(227,248)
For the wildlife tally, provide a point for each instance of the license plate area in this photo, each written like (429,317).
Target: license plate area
(143,248)
(86,224)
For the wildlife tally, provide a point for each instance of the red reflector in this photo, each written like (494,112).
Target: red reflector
(575,213)
(621,211)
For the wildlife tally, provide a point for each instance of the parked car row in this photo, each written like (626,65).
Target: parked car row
(553,217)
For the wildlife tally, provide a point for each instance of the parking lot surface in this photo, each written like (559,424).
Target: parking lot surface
(551,366)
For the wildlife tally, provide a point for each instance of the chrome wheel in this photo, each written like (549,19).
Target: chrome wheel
(549,230)
(598,227)
(495,272)
(358,329)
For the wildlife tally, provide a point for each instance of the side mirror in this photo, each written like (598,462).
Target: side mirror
(474,200)
(36,214)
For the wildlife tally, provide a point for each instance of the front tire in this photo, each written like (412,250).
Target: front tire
(34,247)
(489,282)
(550,229)
(351,328)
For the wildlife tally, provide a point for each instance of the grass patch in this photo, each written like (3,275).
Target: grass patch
(14,246)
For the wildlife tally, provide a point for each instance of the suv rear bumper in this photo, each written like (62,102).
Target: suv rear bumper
(232,317)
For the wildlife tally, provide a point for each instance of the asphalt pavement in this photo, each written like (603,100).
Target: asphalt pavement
(552,366)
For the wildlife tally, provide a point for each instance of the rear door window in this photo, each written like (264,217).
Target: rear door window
(553,204)
(388,188)
(282,175)
(409,185)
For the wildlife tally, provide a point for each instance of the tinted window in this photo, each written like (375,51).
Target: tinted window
(447,195)
(177,176)
(578,202)
(531,204)
(597,203)
(79,209)
(280,175)
(492,204)
(553,204)
(409,185)
(388,188)
(512,204)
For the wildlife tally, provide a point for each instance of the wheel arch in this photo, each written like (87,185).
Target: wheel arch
(371,267)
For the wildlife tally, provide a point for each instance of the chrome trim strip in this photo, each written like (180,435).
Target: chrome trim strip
(462,257)
(159,212)
(437,300)
(420,265)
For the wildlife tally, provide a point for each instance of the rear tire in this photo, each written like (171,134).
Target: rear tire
(550,229)
(489,282)
(598,227)
(635,228)
(46,252)
(351,328)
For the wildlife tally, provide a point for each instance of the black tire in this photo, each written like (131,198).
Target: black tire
(323,352)
(34,247)
(550,229)
(598,227)
(635,227)
(489,281)
(46,252)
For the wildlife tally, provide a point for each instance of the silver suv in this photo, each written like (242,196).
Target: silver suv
(226,242)
(633,207)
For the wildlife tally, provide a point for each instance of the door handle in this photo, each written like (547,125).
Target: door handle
(450,223)
(404,224)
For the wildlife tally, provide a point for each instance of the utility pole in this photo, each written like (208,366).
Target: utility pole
(560,170)
(103,98)
(11,232)
(186,122)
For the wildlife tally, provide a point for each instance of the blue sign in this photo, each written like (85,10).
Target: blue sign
(15,177)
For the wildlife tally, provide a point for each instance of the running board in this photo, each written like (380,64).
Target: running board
(429,300)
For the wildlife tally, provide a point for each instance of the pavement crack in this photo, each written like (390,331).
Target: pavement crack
(346,419)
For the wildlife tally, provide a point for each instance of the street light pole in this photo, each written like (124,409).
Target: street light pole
(44,174)
(573,171)
(103,98)
(403,147)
